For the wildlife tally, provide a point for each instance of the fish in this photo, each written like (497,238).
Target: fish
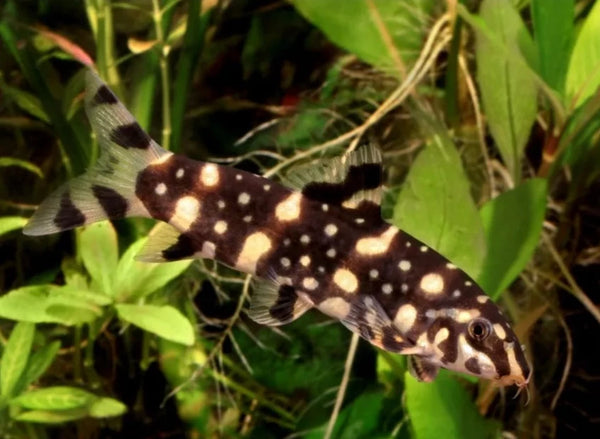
(317,240)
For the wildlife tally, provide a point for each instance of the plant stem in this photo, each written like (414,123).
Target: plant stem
(164,74)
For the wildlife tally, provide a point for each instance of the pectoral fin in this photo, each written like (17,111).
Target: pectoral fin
(422,369)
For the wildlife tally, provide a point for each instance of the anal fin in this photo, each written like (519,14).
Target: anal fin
(275,304)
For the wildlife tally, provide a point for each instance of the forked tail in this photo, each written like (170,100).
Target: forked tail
(107,190)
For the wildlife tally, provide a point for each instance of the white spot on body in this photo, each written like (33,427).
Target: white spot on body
(244,198)
(456,293)
(305,239)
(220,227)
(405,318)
(180,172)
(321,269)
(432,283)
(404,288)
(376,245)
(387,288)
(285,262)
(468,283)
(247,218)
(289,209)
(310,283)
(208,249)
(221,204)
(187,209)
(335,307)
(325,207)
(267,187)
(499,330)
(287,242)
(331,253)
(482,299)
(440,336)
(305,260)
(160,189)
(346,280)
(408,244)
(238,177)
(209,175)
(331,229)
(404,265)
(373,274)
(450,266)
(359,220)
(255,246)
(424,248)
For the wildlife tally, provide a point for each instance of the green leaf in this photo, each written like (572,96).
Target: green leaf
(54,398)
(513,223)
(47,304)
(26,101)
(583,77)
(553,30)
(11,161)
(15,356)
(444,406)
(508,90)
(106,407)
(164,321)
(99,251)
(10,223)
(364,28)
(435,206)
(38,363)
(134,279)
(52,417)
(359,419)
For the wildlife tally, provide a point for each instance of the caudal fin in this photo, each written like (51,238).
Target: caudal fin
(107,190)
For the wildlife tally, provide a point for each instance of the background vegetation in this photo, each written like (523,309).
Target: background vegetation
(487,114)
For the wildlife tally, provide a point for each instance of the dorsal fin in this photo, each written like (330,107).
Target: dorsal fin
(348,180)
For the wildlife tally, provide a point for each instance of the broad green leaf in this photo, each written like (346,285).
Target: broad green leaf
(27,304)
(10,223)
(359,419)
(443,408)
(512,223)
(38,363)
(106,407)
(553,30)
(52,417)
(435,206)
(11,161)
(47,304)
(164,321)
(508,90)
(134,279)
(54,398)
(365,28)
(99,251)
(583,77)
(15,356)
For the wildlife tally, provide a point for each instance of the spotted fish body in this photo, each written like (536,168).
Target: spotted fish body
(322,246)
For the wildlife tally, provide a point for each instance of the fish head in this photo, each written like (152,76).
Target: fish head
(464,331)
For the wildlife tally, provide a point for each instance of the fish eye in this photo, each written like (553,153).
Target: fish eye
(479,329)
